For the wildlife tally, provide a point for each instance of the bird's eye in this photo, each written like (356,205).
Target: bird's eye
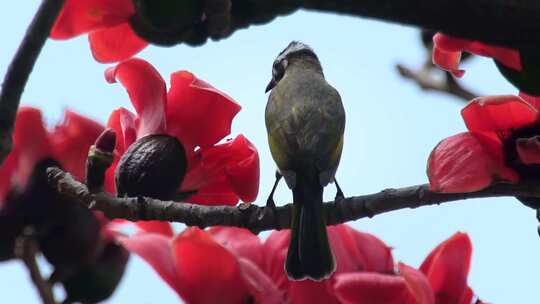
(277,70)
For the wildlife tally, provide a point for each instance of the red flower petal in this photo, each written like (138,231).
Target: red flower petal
(276,245)
(229,168)
(468,298)
(354,251)
(214,194)
(447,52)
(155,249)
(81,16)
(296,291)
(498,113)
(115,43)
(243,173)
(122,122)
(207,272)
(448,61)
(259,285)
(146,90)
(110,184)
(466,163)
(367,252)
(7,171)
(158,227)
(373,288)
(197,113)
(31,144)
(447,268)
(307,292)
(528,150)
(71,141)
(533,100)
(241,242)
(417,284)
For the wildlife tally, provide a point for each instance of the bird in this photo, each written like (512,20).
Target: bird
(305,122)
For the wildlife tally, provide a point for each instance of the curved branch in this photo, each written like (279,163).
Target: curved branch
(425,79)
(491,21)
(260,218)
(20,68)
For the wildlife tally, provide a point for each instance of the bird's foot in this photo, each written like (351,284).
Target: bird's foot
(270,203)
(339,192)
(339,196)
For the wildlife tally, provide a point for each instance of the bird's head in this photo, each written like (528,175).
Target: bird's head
(296,50)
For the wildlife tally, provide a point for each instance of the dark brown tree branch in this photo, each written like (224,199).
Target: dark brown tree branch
(260,218)
(508,23)
(27,249)
(20,68)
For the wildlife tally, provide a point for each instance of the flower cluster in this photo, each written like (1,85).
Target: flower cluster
(77,242)
(174,147)
(232,265)
(519,67)
(502,144)
(195,116)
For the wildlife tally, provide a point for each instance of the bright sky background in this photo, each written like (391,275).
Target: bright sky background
(391,128)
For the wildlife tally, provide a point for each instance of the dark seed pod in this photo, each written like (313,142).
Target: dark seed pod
(70,239)
(153,166)
(95,283)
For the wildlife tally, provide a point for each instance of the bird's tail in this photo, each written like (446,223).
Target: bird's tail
(309,254)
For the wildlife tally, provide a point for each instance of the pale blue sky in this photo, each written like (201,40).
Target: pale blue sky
(391,128)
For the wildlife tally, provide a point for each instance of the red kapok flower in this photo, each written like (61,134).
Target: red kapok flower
(355,252)
(201,270)
(195,115)
(447,53)
(118,29)
(500,146)
(107,24)
(68,144)
(442,279)
(27,198)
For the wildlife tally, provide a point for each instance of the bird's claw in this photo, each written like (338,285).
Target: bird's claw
(270,203)
(339,196)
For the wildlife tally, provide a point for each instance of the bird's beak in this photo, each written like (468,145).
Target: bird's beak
(270,85)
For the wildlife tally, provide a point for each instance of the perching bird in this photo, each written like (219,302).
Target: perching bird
(305,121)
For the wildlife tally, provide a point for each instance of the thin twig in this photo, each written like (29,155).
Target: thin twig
(27,250)
(260,218)
(20,68)
(425,79)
